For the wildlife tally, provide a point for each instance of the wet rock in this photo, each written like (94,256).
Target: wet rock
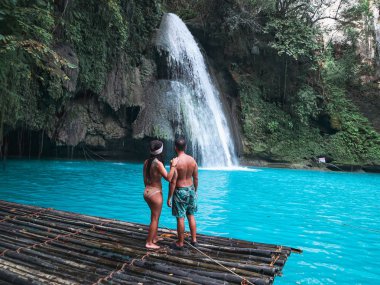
(126,87)
(372,168)
(161,113)
(95,141)
(74,127)
(72,70)
(86,123)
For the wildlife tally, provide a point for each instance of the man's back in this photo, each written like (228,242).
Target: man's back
(186,169)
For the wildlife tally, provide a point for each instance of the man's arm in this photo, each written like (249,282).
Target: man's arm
(172,185)
(195,176)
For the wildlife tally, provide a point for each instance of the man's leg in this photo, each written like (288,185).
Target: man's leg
(193,227)
(180,231)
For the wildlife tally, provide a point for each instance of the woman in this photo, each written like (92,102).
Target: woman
(154,169)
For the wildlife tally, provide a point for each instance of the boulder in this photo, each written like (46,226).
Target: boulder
(85,122)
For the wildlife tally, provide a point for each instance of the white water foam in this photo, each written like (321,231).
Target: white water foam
(232,168)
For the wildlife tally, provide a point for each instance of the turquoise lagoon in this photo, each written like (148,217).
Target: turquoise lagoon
(333,217)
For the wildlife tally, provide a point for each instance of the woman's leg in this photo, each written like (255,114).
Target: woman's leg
(155,205)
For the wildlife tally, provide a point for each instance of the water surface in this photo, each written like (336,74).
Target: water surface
(333,217)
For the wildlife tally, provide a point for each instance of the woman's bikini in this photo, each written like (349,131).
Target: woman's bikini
(151,190)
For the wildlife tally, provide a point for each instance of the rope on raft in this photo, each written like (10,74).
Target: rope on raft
(244,280)
(122,268)
(169,236)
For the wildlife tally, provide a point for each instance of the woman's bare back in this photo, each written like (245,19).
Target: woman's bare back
(155,176)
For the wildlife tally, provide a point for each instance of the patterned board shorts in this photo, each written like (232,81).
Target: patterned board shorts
(184,202)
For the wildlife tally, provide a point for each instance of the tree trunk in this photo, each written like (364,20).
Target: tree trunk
(285,77)
(41,144)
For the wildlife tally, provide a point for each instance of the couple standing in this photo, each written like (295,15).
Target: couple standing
(183,179)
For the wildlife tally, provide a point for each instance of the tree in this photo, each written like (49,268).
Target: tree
(27,62)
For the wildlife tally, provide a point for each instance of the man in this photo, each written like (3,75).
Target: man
(182,189)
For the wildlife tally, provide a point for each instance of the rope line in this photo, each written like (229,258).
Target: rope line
(122,268)
(244,280)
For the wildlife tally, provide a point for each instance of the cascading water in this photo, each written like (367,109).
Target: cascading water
(203,120)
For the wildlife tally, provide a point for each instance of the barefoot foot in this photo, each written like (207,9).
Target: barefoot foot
(151,245)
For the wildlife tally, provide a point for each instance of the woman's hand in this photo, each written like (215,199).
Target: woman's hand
(173,162)
(169,202)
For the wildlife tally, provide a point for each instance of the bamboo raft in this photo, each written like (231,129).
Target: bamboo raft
(46,246)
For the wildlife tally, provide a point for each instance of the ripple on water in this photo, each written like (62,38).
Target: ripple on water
(333,217)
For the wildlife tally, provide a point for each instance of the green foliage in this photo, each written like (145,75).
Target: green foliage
(356,141)
(104,32)
(245,15)
(361,10)
(29,18)
(272,133)
(293,37)
(31,72)
(27,63)
(305,106)
(341,72)
(185,9)
(144,17)
(98,31)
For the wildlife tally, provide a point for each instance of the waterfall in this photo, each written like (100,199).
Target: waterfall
(204,122)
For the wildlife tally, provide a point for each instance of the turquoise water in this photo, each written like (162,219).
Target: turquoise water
(333,217)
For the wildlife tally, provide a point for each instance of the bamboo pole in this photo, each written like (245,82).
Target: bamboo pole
(70,247)
(33,274)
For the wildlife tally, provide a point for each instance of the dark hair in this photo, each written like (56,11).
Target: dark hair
(180,143)
(154,145)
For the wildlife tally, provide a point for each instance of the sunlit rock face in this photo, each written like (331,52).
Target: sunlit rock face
(185,101)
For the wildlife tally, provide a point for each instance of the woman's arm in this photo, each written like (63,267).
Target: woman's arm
(144,173)
(161,168)
(172,185)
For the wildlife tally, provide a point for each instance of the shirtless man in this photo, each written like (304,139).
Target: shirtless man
(182,192)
